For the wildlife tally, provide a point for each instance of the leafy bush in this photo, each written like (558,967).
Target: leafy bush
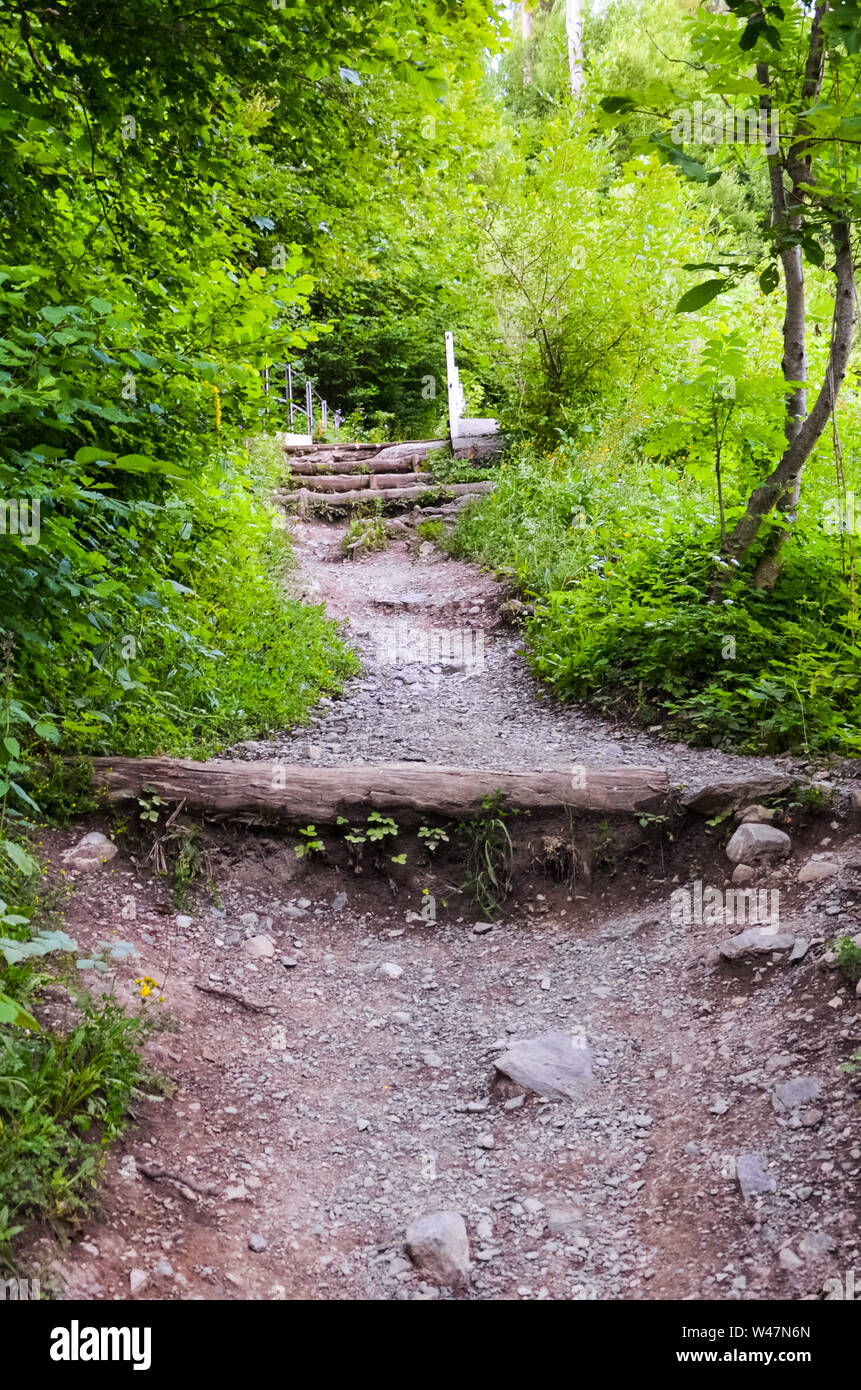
(617,553)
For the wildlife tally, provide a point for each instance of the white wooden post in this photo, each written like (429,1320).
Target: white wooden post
(455,395)
(309,407)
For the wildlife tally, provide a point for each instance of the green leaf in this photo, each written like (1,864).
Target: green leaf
(10,1012)
(700,295)
(770,278)
(91,453)
(20,858)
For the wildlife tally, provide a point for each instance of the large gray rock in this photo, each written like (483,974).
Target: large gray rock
(752,842)
(798,1091)
(734,793)
(552,1065)
(91,852)
(755,941)
(752,1177)
(438,1245)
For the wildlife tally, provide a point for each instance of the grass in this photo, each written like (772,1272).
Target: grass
(65,1086)
(488,855)
(616,552)
(364,534)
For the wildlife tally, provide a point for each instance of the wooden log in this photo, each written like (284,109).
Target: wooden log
(386,494)
(302,792)
(337,482)
(312,468)
(415,451)
(384,480)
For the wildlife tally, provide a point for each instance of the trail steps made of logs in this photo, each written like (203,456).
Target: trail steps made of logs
(343,477)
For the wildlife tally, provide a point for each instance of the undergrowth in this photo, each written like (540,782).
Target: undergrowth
(617,551)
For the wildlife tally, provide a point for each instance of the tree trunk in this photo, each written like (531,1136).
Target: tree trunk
(785,478)
(782,488)
(574,30)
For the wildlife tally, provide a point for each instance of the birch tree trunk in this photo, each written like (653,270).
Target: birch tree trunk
(574,30)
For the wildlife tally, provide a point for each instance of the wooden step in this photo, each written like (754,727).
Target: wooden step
(307,497)
(312,467)
(299,792)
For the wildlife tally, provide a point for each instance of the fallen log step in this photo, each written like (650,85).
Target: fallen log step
(306,496)
(384,480)
(337,482)
(299,792)
(323,468)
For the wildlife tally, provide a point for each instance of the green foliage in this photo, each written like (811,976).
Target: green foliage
(364,534)
(432,836)
(63,1099)
(488,855)
(848,958)
(310,844)
(616,551)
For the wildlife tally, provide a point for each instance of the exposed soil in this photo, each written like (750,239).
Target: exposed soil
(321,1103)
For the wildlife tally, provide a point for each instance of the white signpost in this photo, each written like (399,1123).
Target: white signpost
(461,430)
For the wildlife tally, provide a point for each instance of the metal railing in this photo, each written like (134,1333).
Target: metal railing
(294,408)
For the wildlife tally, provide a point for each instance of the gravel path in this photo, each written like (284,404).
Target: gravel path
(444,680)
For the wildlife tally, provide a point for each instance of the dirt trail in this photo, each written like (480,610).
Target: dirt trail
(477,706)
(308,1129)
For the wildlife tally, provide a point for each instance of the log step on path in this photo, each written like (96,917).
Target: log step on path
(339,477)
(298,792)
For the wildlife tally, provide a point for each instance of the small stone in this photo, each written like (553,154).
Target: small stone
(752,1177)
(485,1141)
(289,962)
(811,1118)
(514,1103)
(817,869)
(431,1058)
(787,1259)
(816,1244)
(138,1279)
(482,928)
(799,950)
(743,873)
(183,922)
(391,971)
(752,842)
(339,902)
(256,1243)
(164,1269)
(752,815)
(259,947)
(438,1245)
